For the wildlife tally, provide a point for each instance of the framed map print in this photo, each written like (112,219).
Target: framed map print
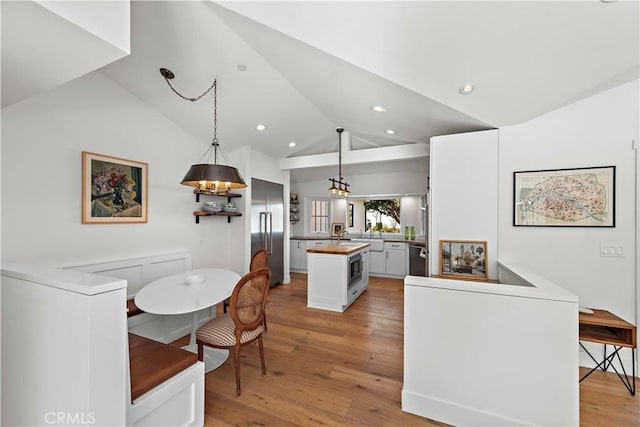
(580,197)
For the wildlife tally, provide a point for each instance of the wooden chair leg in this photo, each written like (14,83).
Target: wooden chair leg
(200,351)
(236,358)
(264,369)
(264,321)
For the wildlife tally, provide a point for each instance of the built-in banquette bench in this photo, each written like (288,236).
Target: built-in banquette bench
(73,345)
(166,385)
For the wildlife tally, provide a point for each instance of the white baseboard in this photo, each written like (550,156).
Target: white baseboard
(452,413)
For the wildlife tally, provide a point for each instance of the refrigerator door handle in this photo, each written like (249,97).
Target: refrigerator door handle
(263,230)
(270,247)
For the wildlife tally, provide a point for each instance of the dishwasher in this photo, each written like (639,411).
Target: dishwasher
(417,260)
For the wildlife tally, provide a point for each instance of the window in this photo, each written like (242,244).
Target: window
(382,215)
(319,216)
(373,215)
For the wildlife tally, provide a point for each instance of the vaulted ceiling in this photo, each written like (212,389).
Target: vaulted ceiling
(312,66)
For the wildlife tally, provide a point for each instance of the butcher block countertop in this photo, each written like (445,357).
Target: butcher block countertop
(335,249)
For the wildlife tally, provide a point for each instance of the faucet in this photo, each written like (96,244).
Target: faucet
(380,233)
(341,233)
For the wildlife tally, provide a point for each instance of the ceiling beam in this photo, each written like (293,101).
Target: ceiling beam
(369,155)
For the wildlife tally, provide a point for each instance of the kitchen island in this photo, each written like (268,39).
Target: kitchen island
(337,275)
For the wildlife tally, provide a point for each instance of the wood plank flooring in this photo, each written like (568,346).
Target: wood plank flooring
(337,369)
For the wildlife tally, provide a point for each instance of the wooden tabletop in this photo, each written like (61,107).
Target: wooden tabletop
(335,249)
(603,318)
(606,328)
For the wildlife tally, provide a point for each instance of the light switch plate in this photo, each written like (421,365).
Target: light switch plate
(611,251)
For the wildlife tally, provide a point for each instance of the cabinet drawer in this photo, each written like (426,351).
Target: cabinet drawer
(314,243)
(395,246)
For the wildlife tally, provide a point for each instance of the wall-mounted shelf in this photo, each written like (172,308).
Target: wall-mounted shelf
(229,196)
(198,214)
(294,211)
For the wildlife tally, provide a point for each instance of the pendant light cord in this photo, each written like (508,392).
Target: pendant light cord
(168,75)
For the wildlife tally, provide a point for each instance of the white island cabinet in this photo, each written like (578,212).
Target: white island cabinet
(337,276)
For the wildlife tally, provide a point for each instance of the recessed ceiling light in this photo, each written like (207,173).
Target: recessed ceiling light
(261,127)
(390,131)
(378,108)
(292,144)
(242,67)
(466,88)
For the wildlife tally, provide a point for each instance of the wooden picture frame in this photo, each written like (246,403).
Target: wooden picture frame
(578,197)
(336,227)
(464,259)
(114,190)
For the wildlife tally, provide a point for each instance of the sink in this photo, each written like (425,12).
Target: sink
(375,245)
(349,243)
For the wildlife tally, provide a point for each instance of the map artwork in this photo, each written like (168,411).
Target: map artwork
(565,197)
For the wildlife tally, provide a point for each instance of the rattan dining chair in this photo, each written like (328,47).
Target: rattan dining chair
(259,260)
(243,324)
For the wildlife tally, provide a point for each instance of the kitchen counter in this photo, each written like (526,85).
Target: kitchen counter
(336,249)
(338,275)
(419,241)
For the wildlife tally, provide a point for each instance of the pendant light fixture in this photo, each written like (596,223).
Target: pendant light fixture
(209,177)
(340,190)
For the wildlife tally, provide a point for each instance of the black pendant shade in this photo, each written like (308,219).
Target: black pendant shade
(213,177)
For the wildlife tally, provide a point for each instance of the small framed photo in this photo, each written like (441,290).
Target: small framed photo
(114,190)
(293,198)
(463,259)
(337,227)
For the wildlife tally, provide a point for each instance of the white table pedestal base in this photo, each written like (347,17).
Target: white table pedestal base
(213,357)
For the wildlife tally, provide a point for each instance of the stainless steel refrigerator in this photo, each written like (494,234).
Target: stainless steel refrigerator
(267,224)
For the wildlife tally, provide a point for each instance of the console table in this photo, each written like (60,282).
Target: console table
(608,329)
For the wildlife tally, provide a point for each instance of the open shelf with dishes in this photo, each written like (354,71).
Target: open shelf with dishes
(214,212)
(294,211)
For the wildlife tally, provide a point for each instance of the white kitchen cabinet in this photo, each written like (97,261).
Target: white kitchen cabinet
(328,286)
(396,257)
(311,244)
(377,262)
(298,254)
(391,261)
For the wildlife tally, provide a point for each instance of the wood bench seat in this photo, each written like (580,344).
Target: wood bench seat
(132,308)
(152,363)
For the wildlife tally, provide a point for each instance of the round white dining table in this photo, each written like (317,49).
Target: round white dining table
(173,295)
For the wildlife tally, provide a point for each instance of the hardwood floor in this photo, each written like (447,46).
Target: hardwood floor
(326,368)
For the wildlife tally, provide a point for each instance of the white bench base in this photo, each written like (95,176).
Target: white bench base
(179,401)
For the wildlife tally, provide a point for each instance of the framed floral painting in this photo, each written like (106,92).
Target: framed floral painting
(114,190)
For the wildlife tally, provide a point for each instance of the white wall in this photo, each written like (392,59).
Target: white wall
(464,202)
(42,141)
(597,131)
